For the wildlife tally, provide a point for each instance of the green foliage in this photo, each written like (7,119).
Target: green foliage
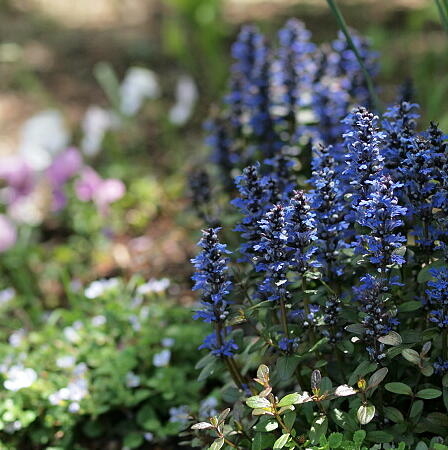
(110,368)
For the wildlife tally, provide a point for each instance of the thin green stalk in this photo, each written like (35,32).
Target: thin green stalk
(283,317)
(443,12)
(286,429)
(342,24)
(445,344)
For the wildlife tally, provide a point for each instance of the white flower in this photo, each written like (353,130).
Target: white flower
(132,380)
(162,359)
(80,369)
(16,337)
(207,407)
(138,85)
(179,414)
(148,437)
(97,321)
(6,295)
(186,97)
(43,136)
(64,362)
(99,287)
(153,285)
(97,121)
(73,407)
(135,322)
(168,342)
(19,377)
(71,334)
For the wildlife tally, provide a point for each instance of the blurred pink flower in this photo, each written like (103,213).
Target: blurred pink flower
(87,184)
(91,187)
(63,167)
(18,177)
(8,233)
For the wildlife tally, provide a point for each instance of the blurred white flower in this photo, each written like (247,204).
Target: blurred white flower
(19,377)
(12,427)
(207,407)
(75,390)
(73,407)
(186,97)
(16,337)
(168,342)
(99,287)
(97,321)
(135,322)
(41,137)
(162,359)
(180,414)
(139,84)
(148,437)
(153,286)
(132,380)
(71,334)
(97,121)
(32,208)
(144,312)
(80,369)
(6,295)
(64,362)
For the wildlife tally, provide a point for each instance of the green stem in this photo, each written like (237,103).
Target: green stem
(286,429)
(445,344)
(283,317)
(342,24)
(230,443)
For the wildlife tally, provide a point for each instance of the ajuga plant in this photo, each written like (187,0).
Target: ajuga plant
(329,307)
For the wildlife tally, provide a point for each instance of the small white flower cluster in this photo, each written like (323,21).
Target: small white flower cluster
(162,358)
(19,377)
(154,286)
(179,414)
(6,295)
(72,333)
(99,287)
(16,337)
(132,380)
(75,391)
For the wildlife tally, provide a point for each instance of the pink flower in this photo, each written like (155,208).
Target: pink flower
(8,233)
(18,177)
(63,167)
(91,187)
(87,184)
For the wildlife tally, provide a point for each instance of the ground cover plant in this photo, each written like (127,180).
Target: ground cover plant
(322,273)
(78,380)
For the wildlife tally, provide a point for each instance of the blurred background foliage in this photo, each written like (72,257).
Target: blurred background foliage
(68,56)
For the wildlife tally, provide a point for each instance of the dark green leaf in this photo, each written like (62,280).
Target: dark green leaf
(377,377)
(393,414)
(412,305)
(411,355)
(285,367)
(289,399)
(398,388)
(428,394)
